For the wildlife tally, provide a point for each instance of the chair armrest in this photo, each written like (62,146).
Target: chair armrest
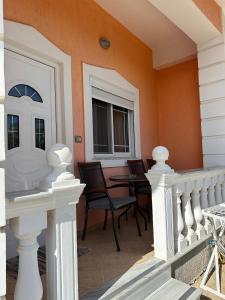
(94,191)
(117,185)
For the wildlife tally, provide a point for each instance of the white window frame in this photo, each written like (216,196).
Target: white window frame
(111,82)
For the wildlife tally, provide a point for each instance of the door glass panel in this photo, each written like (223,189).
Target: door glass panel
(21,90)
(13,131)
(40,133)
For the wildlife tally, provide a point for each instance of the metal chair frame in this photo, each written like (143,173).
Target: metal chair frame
(132,166)
(100,192)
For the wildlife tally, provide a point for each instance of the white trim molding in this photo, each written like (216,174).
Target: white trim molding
(27,41)
(211,63)
(2,158)
(112,82)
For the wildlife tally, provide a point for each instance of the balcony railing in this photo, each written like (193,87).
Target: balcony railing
(51,207)
(178,200)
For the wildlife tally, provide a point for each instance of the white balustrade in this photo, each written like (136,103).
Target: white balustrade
(196,204)
(181,240)
(188,193)
(51,206)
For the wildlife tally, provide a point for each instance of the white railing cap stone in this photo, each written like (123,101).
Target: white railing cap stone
(160,154)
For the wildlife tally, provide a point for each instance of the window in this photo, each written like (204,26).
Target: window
(111,107)
(111,128)
(13,131)
(21,90)
(40,133)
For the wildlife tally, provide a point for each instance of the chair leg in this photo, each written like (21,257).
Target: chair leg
(85,223)
(136,218)
(114,231)
(105,221)
(123,213)
(143,216)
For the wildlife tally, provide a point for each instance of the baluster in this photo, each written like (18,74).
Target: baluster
(211,193)
(204,204)
(219,189)
(26,228)
(188,216)
(223,188)
(181,240)
(200,231)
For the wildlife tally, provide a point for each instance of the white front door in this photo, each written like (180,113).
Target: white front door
(29,120)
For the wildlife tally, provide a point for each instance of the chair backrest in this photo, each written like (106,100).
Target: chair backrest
(136,166)
(150,162)
(92,175)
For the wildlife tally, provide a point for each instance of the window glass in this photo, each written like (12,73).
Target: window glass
(13,131)
(111,128)
(21,90)
(120,129)
(101,127)
(40,133)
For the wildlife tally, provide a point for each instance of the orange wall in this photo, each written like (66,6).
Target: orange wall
(212,11)
(75,27)
(179,114)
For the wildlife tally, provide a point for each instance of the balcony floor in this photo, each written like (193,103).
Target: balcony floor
(103,263)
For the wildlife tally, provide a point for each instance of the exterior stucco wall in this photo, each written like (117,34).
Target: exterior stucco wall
(179,114)
(75,26)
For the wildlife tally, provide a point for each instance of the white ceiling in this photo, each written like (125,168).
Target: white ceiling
(169,44)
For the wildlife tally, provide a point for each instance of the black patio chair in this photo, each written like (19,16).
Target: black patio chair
(97,196)
(141,188)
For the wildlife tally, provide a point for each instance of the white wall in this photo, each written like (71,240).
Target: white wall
(2,157)
(211,63)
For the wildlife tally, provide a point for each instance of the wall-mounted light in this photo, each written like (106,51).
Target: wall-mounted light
(104,42)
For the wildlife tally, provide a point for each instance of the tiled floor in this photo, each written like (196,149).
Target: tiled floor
(103,263)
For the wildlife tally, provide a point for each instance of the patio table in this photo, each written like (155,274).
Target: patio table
(131,179)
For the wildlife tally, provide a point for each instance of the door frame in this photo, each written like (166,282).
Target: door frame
(27,41)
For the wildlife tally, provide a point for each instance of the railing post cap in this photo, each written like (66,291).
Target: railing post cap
(58,155)
(160,153)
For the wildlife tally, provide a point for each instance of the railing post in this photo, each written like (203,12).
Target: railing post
(161,178)
(27,228)
(61,241)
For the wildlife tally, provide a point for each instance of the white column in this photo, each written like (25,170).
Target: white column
(211,63)
(62,278)
(2,158)
(161,177)
(27,228)
(61,241)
